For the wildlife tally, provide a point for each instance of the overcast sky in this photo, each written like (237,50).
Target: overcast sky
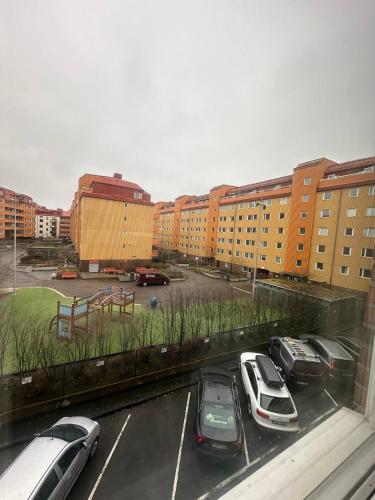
(179,95)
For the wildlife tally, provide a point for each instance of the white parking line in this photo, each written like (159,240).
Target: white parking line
(108,459)
(319,418)
(245,446)
(180,449)
(330,397)
(240,289)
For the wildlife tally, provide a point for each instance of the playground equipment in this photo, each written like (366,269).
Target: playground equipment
(67,316)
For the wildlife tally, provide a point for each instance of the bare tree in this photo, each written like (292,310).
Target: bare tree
(5,273)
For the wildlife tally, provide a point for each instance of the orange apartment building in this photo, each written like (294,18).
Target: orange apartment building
(317,224)
(64,224)
(23,208)
(111,223)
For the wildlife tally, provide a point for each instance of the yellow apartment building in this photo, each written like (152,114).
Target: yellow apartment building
(111,223)
(16,209)
(317,224)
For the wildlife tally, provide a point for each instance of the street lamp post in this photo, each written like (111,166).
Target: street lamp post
(258,204)
(15,246)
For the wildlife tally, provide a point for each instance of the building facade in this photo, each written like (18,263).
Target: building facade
(52,224)
(16,210)
(111,223)
(317,224)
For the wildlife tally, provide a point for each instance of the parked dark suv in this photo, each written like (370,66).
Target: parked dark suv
(339,367)
(299,363)
(218,419)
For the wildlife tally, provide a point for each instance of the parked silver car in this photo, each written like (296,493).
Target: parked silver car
(48,467)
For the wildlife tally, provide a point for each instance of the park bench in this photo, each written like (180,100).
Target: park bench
(68,275)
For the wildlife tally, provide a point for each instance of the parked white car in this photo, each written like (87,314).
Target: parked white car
(49,466)
(269,401)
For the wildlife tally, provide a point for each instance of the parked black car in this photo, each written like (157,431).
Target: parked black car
(339,367)
(218,420)
(299,363)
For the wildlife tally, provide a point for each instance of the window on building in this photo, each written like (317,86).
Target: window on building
(241,205)
(364,273)
(369,169)
(239,230)
(371,190)
(351,212)
(266,216)
(321,249)
(369,232)
(249,255)
(222,218)
(349,231)
(278,259)
(251,204)
(307,181)
(305,198)
(240,217)
(229,252)
(319,266)
(298,263)
(302,230)
(300,247)
(327,195)
(344,270)
(283,201)
(230,240)
(263,257)
(267,203)
(238,242)
(303,214)
(353,193)
(347,251)
(265,230)
(370,211)
(238,254)
(324,213)
(279,244)
(323,231)
(252,217)
(280,230)
(368,252)
(282,215)
(264,244)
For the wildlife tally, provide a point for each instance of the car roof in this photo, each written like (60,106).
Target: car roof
(23,476)
(277,392)
(334,348)
(299,349)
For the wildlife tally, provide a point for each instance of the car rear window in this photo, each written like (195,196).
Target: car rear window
(276,405)
(66,432)
(308,368)
(219,416)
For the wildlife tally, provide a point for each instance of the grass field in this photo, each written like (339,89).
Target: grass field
(37,306)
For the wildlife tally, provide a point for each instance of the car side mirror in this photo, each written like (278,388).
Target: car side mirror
(84,445)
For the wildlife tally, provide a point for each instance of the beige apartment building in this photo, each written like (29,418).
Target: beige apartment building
(317,224)
(111,223)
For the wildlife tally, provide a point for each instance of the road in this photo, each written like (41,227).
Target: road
(144,462)
(87,287)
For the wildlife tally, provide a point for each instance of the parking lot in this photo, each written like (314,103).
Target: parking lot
(147,451)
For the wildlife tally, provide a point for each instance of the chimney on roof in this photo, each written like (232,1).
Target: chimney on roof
(117,176)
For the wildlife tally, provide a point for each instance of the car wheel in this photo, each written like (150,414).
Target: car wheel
(144,284)
(93,448)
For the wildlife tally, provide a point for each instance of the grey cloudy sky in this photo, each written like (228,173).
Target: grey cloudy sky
(180,95)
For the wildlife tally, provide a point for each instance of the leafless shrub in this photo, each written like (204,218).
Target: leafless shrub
(5,273)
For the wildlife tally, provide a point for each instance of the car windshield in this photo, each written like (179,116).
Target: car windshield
(276,405)
(66,432)
(218,416)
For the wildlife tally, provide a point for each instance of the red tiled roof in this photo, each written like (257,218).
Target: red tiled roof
(271,182)
(363,162)
(112,197)
(116,182)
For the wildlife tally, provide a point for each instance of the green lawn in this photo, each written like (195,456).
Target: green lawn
(39,305)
